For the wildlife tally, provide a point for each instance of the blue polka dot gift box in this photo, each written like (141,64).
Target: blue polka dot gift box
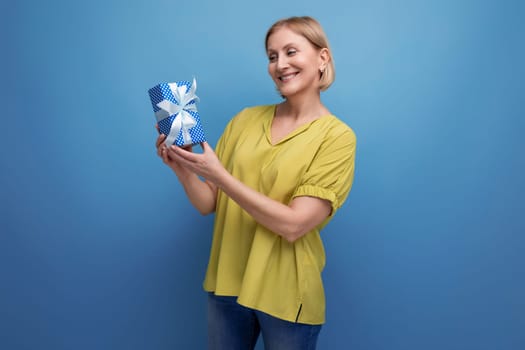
(176,112)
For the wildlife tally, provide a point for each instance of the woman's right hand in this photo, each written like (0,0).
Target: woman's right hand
(162,152)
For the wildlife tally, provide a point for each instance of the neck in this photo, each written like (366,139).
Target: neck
(303,107)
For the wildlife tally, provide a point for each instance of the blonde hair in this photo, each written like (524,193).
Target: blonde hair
(313,32)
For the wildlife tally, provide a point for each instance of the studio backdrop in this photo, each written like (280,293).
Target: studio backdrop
(100,249)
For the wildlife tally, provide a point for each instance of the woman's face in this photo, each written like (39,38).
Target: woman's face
(294,63)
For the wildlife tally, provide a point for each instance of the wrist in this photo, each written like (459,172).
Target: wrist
(181,173)
(221,179)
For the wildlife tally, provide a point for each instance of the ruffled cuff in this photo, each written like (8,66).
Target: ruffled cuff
(319,192)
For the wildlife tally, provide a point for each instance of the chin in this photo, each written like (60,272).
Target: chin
(286,90)
(287,94)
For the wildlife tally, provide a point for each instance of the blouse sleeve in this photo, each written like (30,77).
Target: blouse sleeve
(331,172)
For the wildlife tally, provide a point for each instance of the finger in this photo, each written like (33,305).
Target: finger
(169,150)
(173,156)
(182,155)
(165,155)
(205,146)
(179,151)
(173,152)
(160,140)
(160,151)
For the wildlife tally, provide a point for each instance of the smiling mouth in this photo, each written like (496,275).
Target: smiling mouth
(287,77)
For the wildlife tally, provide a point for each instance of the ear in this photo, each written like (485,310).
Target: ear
(324,56)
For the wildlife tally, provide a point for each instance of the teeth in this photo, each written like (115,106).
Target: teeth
(287,77)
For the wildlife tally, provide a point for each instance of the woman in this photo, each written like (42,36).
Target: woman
(278,176)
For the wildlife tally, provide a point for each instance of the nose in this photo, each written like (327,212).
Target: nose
(282,62)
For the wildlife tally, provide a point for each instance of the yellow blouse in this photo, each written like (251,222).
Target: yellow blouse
(247,260)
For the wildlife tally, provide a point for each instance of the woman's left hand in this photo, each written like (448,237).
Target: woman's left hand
(205,164)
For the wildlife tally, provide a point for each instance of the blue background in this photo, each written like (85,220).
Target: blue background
(100,249)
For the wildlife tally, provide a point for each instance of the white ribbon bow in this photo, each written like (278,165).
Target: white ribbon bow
(184,120)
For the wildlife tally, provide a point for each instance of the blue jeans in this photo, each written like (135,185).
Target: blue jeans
(232,326)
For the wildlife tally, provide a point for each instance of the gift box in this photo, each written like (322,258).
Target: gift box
(176,112)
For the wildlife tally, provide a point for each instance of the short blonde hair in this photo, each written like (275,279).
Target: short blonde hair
(313,32)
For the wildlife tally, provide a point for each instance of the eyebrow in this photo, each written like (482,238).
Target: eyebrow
(284,47)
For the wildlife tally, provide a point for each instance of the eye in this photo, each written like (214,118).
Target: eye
(291,52)
(272,57)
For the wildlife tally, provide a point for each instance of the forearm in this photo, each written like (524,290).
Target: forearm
(202,194)
(290,222)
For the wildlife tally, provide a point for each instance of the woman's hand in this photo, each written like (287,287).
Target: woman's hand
(164,154)
(205,164)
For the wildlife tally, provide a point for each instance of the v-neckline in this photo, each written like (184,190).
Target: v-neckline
(297,130)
